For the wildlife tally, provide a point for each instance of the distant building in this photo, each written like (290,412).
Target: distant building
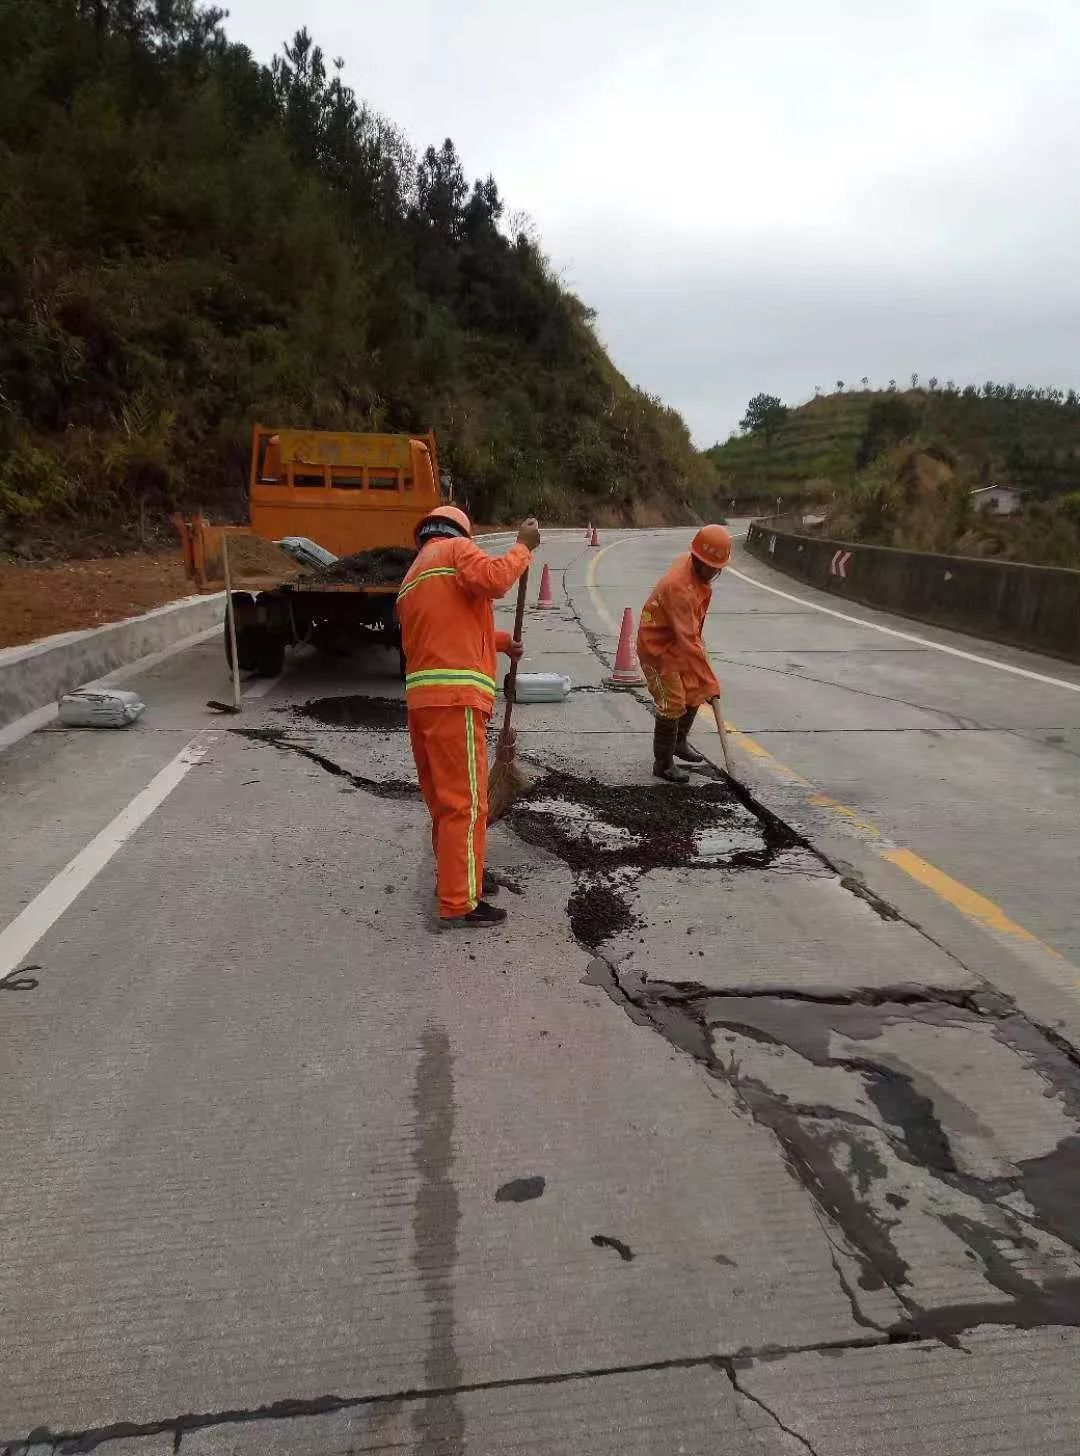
(998,500)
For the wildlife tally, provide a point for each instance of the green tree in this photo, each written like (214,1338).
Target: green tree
(764,416)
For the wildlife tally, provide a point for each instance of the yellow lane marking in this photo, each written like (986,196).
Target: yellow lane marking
(590,582)
(973,906)
(969,902)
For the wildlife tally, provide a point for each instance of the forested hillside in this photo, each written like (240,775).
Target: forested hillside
(191,241)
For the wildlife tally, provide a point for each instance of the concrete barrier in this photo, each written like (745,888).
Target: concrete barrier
(1037,607)
(38,673)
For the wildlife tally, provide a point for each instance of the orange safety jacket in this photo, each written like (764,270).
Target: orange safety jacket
(669,633)
(448,623)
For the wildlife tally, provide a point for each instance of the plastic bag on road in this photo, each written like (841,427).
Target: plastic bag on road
(100,708)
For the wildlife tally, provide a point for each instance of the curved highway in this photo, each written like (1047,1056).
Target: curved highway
(756,1130)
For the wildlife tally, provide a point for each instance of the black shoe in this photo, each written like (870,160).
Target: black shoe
(484,917)
(664,735)
(491,886)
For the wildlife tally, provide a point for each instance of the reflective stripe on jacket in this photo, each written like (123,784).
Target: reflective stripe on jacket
(448,624)
(672,620)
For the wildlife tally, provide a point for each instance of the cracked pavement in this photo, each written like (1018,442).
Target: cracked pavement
(731,1142)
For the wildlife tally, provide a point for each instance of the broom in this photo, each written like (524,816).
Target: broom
(508,780)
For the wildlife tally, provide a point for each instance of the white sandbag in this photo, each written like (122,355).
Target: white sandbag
(100,708)
(541,687)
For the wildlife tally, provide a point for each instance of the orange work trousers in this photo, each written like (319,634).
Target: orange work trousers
(672,693)
(450,750)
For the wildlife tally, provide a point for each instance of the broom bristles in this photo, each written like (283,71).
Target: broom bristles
(507,780)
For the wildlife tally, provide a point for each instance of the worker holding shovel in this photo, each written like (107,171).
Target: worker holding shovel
(672,653)
(450,643)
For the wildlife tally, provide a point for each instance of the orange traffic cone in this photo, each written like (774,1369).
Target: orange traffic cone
(627,673)
(595,541)
(545,599)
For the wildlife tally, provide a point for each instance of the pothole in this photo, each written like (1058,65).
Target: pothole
(596,828)
(610,835)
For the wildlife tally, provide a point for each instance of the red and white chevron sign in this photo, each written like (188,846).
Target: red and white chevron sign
(839,564)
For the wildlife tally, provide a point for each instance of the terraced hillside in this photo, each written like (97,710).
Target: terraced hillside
(998,434)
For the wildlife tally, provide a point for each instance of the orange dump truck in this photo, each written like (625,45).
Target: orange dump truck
(347,493)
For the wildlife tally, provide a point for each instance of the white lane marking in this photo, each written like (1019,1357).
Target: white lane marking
(28,723)
(1054,682)
(46,908)
(12,732)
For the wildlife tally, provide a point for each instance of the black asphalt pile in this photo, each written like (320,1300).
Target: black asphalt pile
(385,566)
(597,828)
(598,912)
(355,711)
(610,835)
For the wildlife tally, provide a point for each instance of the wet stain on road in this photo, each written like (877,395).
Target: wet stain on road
(521,1190)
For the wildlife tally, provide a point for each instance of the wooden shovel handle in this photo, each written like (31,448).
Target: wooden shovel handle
(718,714)
(511,676)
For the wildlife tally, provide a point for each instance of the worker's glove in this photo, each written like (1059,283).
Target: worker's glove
(529,533)
(515,650)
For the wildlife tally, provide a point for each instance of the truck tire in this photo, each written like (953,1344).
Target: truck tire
(269,653)
(245,647)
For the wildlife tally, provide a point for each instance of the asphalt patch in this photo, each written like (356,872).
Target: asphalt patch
(833,1152)
(354,711)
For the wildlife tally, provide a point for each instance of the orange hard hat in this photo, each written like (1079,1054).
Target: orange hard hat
(712,546)
(453,514)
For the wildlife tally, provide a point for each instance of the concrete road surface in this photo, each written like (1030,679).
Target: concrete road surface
(756,1131)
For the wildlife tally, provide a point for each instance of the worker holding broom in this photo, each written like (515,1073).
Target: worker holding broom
(672,653)
(450,642)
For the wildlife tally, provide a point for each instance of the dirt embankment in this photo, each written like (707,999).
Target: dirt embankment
(36,601)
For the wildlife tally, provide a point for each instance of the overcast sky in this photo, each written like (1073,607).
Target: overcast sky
(759,196)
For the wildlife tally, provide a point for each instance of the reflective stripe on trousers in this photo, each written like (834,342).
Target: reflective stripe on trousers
(667,692)
(450,750)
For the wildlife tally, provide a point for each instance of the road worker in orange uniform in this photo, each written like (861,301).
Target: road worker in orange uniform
(450,642)
(672,654)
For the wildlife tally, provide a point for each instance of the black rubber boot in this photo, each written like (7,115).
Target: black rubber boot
(664,767)
(484,917)
(684,749)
